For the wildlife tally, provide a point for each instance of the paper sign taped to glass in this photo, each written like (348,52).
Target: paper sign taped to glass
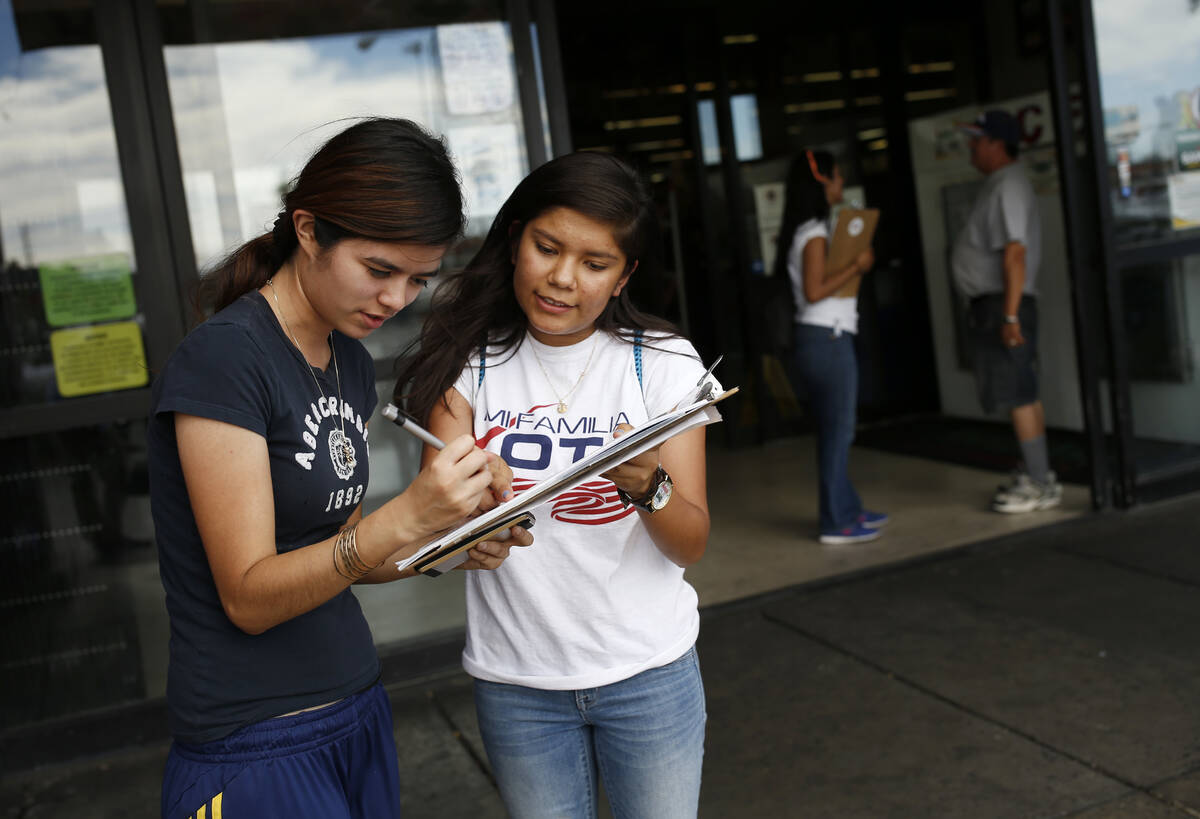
(450,549)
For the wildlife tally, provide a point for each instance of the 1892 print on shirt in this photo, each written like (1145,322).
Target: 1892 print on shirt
(593,600)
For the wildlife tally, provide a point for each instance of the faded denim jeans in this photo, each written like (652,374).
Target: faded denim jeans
(644,735)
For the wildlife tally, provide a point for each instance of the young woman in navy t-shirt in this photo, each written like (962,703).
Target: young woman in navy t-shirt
(259,462)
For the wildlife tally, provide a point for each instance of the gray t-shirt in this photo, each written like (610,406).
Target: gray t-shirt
(1006,210)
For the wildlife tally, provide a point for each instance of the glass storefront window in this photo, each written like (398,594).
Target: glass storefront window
(1149,66)
(253,92)
(71,325)
(80,602)
(79,594)
(458,80)
(1162,327)
(228,63)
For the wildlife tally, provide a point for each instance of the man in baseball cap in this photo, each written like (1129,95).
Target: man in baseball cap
(997,125)
(995,262)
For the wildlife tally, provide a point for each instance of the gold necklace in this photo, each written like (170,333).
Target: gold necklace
(339,442)
(562,399)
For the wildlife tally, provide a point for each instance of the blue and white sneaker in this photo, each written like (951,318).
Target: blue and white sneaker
(873,520)
(857,533)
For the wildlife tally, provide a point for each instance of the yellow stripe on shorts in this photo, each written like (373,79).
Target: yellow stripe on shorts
(216,809)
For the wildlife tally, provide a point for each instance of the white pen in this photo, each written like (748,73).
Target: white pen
(406,422)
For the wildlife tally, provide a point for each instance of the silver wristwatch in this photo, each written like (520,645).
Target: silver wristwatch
(655,499)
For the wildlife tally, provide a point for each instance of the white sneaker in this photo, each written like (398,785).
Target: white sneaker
(1019,482)
(1027,495)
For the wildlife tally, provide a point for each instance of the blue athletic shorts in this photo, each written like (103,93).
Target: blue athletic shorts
(337,762)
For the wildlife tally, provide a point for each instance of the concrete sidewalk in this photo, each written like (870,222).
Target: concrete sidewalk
(1053,672)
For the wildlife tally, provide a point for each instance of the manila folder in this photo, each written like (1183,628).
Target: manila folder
(853,234)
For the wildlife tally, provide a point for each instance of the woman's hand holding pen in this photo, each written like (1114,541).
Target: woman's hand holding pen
(501,474)
(458,482)
(453,486)
(445,466)
(636,475)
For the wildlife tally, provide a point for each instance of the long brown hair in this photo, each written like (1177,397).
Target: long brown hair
(478,306)
(382,178)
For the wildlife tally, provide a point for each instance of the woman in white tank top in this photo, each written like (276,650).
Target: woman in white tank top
(825,325)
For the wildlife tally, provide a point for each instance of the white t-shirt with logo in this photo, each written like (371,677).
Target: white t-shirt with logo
(836,312)
(593,601)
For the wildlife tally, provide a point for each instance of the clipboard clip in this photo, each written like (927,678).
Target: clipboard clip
(705,388)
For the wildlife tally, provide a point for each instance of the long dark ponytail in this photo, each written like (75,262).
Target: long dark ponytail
(478,306)
(804,199)
(382,178)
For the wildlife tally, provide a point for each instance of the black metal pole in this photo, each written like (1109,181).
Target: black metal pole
(1082,273)
(1118,366)
(550,51)
(527,89)
(162,244)
(751,371)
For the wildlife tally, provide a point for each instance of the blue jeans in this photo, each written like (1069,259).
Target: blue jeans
(645,736)
(826,363)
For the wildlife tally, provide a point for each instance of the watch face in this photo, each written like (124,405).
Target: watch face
(661,495)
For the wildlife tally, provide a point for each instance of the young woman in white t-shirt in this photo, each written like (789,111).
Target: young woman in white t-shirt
(825,326)
(582,648)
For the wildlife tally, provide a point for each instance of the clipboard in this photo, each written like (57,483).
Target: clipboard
(450,549)
(853,234)
(452,554)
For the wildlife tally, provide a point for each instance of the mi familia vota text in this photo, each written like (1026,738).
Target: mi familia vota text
(529,439)
(587,424)
(340,411)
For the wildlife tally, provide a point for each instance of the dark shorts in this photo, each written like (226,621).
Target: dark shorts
(337,762)
(1006,377)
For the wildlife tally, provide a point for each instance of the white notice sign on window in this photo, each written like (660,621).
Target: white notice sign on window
(476,67)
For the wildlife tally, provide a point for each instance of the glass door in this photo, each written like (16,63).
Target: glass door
(1148,164)
(83,329)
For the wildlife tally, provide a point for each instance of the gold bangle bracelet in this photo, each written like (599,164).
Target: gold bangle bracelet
(347,562)
(337,556)
(343,557)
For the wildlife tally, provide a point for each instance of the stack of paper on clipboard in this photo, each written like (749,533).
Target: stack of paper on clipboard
(450,549)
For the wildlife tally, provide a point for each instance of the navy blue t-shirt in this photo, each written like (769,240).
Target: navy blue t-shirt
(240,368)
